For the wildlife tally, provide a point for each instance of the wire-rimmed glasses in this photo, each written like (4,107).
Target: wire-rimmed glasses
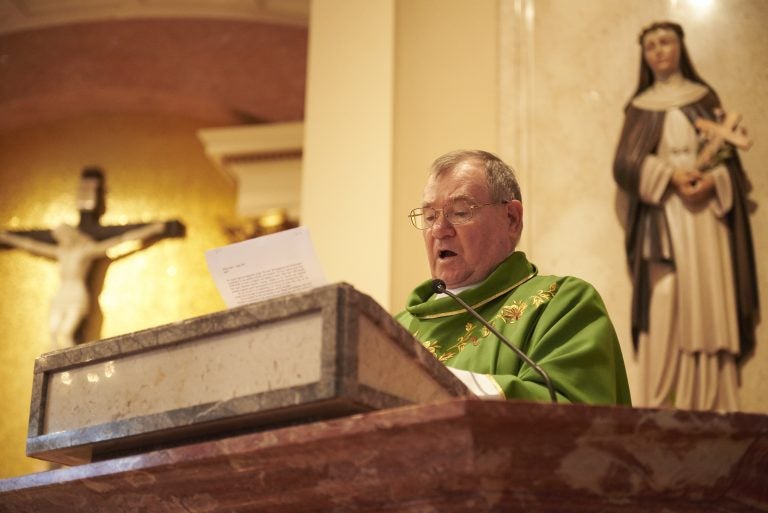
(457,212)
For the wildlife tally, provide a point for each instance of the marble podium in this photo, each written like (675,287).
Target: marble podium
(326,353)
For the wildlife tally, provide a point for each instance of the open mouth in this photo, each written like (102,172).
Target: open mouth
(445,253)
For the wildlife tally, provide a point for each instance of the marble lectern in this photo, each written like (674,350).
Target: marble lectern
(329,352)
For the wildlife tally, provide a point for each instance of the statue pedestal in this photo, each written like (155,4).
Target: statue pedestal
(329,352)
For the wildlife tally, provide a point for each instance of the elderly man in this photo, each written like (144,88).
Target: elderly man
(471,219)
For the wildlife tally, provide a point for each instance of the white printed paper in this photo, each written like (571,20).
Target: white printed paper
(265,267)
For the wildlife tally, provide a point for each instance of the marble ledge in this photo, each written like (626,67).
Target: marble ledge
(452,456)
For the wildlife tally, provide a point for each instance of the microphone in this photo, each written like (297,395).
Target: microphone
(439,287)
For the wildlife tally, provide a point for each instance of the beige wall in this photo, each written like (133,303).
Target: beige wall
(446,98)
(347,174)
(391,85)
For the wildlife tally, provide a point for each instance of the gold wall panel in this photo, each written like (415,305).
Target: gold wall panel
(155,169)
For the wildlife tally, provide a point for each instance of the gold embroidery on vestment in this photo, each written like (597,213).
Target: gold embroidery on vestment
(543,296)
(513,312)
(431,346)
(467,337)
(509,314)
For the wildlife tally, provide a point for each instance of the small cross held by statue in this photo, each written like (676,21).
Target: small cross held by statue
(718,135)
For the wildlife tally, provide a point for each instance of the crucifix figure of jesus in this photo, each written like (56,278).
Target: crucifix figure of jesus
(76,248)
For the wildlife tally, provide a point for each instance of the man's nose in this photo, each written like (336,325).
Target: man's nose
(441,227)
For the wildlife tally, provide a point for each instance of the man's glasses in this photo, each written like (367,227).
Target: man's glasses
(458,212)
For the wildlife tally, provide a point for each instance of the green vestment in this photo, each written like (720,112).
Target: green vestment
(560,322)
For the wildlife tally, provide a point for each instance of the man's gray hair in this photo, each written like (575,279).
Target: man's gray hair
(502,183)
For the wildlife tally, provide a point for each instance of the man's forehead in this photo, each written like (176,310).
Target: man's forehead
(452,198)
(456,184)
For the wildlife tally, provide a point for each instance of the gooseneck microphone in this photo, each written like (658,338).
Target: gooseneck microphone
(439,287)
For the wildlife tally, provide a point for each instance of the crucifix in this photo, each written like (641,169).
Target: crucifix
(81,252)
(718,135)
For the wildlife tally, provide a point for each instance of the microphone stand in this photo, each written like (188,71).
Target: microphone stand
(439,287)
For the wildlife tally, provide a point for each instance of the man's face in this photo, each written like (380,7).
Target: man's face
(661,49)
(467,253)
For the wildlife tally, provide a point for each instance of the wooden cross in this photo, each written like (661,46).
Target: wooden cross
(717,135)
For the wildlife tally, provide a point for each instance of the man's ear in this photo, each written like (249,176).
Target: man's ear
(515,216)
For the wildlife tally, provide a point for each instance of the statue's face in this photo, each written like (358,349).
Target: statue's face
(661,50)
(67,235)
